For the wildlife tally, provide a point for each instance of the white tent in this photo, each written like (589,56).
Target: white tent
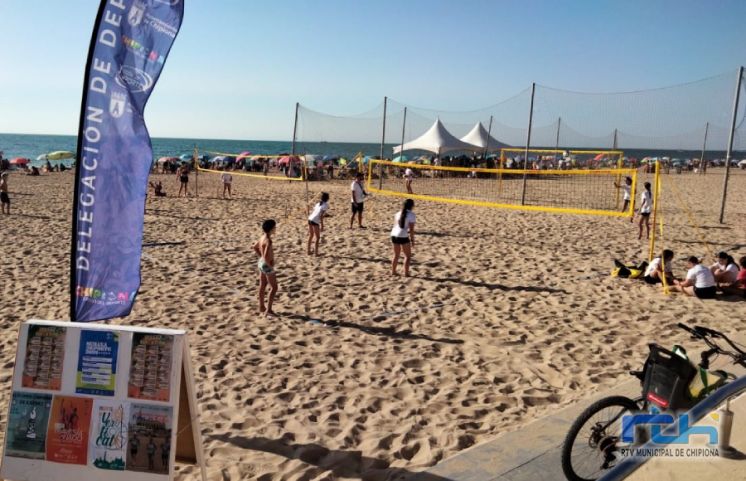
(480,139)
(436,140)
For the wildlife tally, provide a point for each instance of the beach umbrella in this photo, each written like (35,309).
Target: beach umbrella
(342,161)
(57,155)
(185,157)
(19,161)
(400,158)
(162,160)
(599,157)
(243,155)
(286,160)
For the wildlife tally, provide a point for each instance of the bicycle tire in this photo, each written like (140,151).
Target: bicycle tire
(579,423)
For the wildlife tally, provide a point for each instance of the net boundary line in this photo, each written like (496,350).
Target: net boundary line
(256,176)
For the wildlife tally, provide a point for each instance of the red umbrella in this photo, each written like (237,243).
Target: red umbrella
(19,161)
(243,155)
(599,157)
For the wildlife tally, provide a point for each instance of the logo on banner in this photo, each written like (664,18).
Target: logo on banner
(136,13)
(117,104)
(134,79)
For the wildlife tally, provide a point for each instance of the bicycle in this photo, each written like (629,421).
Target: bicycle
(669,381)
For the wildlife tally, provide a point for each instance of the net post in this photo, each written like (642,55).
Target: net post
(702,166)
(618,166)
(403,125)
(729,152)
(528,143)
(195,162)
(383,140)
(295,129)
(556,142)
(489,136)
(656,193)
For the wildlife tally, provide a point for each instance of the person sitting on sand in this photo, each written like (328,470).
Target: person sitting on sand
(627,189)
(408,177)
(227,180)
(646,206)
(158,189)
(266,263)
(699,281)
(655,270)
(4,199)
(316,223)
(402,236)
(358,200)
(724,269)
(738,287)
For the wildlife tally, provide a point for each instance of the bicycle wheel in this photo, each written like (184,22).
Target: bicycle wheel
(590,445)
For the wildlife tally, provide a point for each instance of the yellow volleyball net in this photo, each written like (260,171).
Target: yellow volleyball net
(573,191)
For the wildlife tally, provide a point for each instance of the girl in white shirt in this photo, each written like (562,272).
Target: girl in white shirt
(316,223)
(408,176)
(725,269)
(646,206)
(699,281)
(627,189)
(402,236)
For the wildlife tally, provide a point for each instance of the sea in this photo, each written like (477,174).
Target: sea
(32,146)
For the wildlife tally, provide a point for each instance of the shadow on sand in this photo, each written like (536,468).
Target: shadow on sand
(492,287)
(374,330)
(343,464)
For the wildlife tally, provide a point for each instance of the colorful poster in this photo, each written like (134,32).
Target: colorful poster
(108,434)
(69,425)
(27,425)
(149,438)
(45,353)
(97,363)
(130,43)
(150,370)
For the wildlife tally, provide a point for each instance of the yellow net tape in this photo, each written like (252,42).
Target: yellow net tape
(569,184)
(256,176)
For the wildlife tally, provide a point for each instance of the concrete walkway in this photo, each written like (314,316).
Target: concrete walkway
(532,453)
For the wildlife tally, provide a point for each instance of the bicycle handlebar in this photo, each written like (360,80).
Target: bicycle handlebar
(704,333)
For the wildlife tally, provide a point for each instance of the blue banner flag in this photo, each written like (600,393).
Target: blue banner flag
(131,40)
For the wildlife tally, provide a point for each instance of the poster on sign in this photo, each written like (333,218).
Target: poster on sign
(97,363)
(42,365)
(123,407)
(67,435)
(108,435)
(28,412)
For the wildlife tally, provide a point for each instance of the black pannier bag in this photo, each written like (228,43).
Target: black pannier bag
(666,379)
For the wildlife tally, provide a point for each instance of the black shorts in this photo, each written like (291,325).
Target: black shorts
(310,222)
(4,198)
(705,292)
(357,207)
(399,240)
(645,214)
(651,280)
(184,179)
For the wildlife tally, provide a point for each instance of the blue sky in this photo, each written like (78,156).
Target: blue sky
(238,67)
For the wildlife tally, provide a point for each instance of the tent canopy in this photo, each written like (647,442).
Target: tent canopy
(481,139)
(436,140)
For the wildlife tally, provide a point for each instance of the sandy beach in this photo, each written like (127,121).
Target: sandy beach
(508,316)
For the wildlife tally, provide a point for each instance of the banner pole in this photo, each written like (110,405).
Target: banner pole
(730,143)
(528,143)
(78,163)
(489,136)
(702,165)
(383,139)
